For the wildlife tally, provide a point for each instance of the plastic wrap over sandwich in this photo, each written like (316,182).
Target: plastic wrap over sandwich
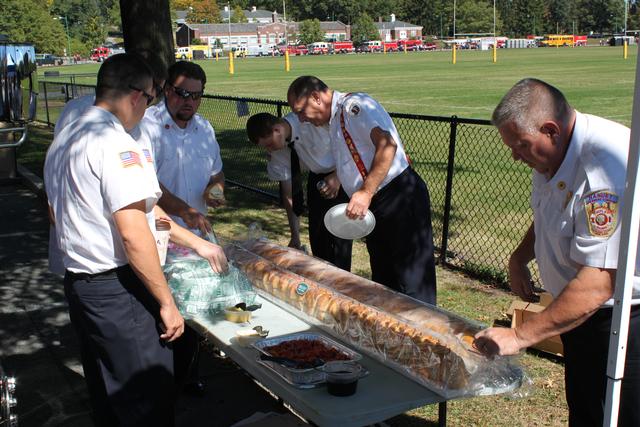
(430,345)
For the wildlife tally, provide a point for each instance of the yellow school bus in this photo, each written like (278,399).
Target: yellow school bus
(553,40)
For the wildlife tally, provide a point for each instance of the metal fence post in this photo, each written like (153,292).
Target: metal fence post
(46,101)
(279,108)
(448,190)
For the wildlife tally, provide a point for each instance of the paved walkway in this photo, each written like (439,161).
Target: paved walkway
(39,347)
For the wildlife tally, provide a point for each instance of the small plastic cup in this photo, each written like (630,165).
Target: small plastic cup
(163,231)
(342,377)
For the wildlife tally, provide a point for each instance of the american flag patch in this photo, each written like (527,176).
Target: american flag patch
(147,155)
(130,158)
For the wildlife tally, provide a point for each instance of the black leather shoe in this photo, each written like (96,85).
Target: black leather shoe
(197,388)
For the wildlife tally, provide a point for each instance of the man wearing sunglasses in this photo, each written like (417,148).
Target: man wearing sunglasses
(189,166)
(186,152)
(101,190)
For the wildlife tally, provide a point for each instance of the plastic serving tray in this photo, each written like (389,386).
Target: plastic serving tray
(302,378)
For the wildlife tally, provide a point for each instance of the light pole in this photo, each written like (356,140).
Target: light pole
(284,18)
(66,26)
(189,29)
(626,7)
(229,23)
(454,20)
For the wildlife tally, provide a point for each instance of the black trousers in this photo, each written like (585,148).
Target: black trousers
(324,244)
(128,369)
(585,354)
(401,245)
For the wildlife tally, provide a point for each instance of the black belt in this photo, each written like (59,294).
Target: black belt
(85,276)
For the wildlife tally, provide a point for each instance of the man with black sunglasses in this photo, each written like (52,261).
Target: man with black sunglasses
(186,152)
(189,166)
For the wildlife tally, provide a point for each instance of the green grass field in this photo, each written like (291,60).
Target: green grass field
(594,79)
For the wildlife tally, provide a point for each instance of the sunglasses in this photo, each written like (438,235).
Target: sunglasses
(149,98)
(184,94)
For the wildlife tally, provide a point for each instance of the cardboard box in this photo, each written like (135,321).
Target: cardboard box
(521,311)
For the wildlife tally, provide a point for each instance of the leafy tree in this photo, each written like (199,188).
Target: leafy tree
(238,15)
(310,31)
(79,48)
(364,29)
(181,4)
(28,21)
(78,13)
(558,17)
(435,16)
(114,19)
(94,33)
(601,15)
(203,12)
(474,16)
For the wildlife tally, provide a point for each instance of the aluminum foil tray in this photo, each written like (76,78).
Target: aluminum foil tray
(301,378)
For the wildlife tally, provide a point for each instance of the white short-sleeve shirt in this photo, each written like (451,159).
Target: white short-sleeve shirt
(361,115)
(72,111)
(313,146)
(185,159)
(93,169)
(576,212)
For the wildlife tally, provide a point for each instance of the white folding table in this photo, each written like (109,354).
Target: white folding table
(382,394)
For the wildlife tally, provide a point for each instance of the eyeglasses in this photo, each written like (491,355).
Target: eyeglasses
(184,94)
(150,98)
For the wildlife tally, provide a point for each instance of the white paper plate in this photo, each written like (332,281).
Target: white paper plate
(339,225)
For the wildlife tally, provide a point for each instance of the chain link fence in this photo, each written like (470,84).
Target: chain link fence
(479,195)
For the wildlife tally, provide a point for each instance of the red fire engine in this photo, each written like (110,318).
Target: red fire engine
(343,47)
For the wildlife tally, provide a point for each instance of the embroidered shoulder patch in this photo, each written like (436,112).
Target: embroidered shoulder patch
(147,155)
(130,158)
(601,209)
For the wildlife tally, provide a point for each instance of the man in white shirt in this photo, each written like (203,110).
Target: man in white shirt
(281,137)
(101,190)
(186,153)
(374,172)
(579,166)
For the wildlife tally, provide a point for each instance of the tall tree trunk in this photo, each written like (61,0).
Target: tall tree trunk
(146,27)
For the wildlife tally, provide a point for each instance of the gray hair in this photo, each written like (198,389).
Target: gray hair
(529,103)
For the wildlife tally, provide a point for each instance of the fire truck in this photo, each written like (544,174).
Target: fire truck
(410,45)
(380,46)
(294,50)
(342,47)
(319,48)
(101,53)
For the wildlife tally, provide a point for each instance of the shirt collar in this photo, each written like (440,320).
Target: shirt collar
(336,103)
(168,122)
(101,114)
(567,168)
(295,124)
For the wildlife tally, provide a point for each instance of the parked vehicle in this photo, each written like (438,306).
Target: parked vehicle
(193,52)
(410,45)
(429,46)
(342,47)
(240,51)
(45,59)
(556,40)
(101,53)
(372,46)
(294,50)
(319,48)
(260,50)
